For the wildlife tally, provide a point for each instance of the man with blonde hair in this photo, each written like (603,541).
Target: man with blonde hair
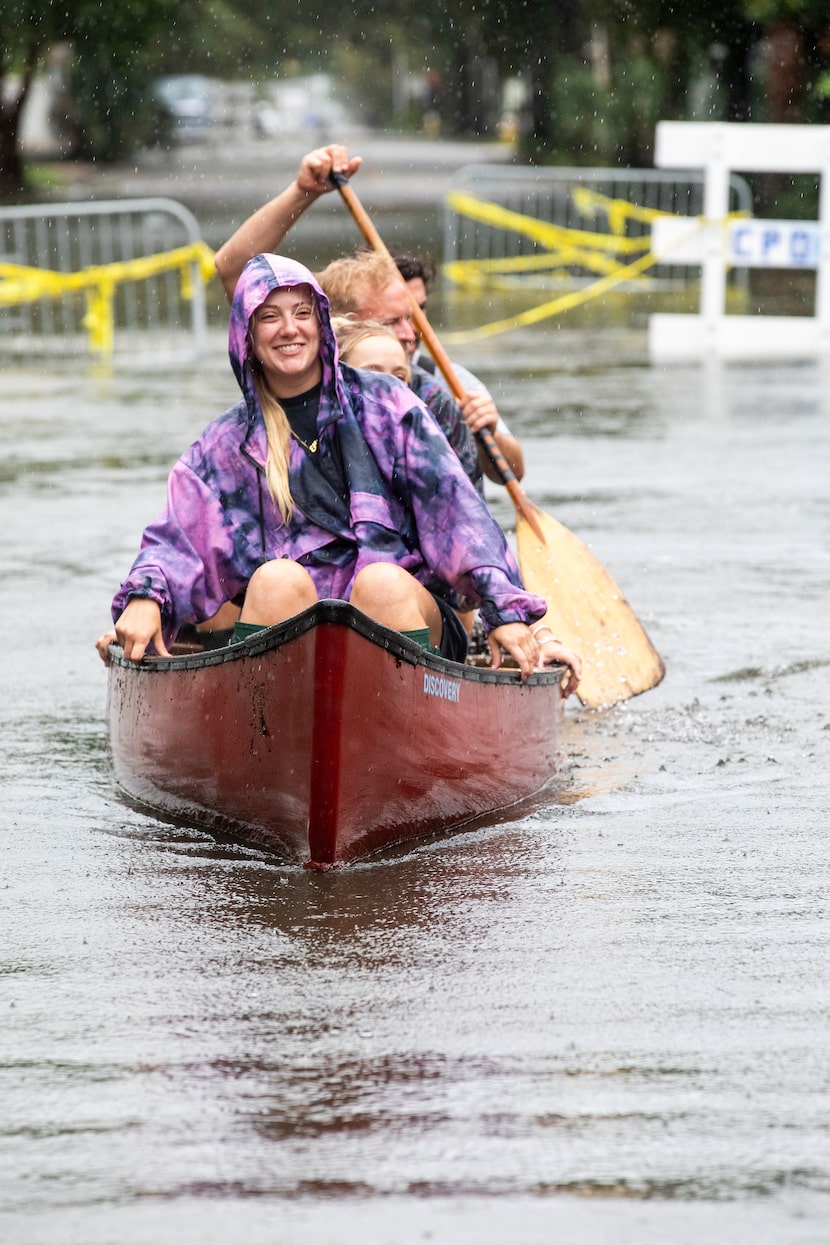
(366,286)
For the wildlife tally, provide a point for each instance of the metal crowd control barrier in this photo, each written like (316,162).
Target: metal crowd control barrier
(123,278)
(592,208)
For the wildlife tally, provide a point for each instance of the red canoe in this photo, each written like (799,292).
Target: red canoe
(328,737)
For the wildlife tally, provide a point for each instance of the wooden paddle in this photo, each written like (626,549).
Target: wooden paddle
(589,613)
(433,345)
(585,607)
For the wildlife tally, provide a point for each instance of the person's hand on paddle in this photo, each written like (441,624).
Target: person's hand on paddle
(480,412)
(313,176)
(137,628)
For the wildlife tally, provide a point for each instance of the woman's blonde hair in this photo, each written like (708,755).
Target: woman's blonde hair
(278,437)
(350,332)
(277,430)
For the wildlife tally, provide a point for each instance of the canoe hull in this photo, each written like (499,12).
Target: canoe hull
(327,737)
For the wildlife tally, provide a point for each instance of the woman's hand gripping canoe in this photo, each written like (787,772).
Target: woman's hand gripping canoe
(138,626)
(533,648)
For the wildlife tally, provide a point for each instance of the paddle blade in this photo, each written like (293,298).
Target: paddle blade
(588,613)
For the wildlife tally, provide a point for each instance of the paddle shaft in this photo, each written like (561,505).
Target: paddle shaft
(574,583)
(439,354)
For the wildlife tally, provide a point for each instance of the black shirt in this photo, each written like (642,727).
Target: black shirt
(301,412)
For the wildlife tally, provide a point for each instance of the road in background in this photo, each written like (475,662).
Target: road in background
(403,181)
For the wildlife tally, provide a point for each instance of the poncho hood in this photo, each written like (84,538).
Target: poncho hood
(260,276)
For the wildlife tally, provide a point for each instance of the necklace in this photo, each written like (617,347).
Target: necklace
(312,449)
(301,411)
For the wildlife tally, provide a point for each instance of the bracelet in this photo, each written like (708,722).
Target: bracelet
(539,631)
(542,643)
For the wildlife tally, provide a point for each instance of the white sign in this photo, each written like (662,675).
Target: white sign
(745,243)
(721,148)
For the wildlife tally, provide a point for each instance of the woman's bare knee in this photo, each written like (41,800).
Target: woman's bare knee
(277,590)
(384,580)
(390,595)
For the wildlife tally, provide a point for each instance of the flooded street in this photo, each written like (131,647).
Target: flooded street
(604,1022)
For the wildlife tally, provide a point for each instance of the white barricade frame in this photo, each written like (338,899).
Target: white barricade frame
(721,148)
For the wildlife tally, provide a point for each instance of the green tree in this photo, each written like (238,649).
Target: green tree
(764,57)
(540,42)
(465,49)
(113,49)
(597,73)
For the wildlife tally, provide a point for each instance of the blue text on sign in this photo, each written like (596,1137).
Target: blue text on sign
(774,244)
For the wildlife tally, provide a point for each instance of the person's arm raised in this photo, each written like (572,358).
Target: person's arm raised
(265,230)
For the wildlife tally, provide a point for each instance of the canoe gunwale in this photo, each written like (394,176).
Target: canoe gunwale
(344,614)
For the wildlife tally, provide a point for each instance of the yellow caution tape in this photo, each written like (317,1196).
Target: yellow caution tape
(590,202)
(566,302)
(476,273)
(565,249)
(98,320)
(542,231)
(21,284)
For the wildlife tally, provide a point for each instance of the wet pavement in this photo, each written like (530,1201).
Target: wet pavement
(603,1022)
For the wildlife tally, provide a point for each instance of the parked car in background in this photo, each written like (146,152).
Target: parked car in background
(187,103)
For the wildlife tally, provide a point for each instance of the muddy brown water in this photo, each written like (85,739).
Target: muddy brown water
(605,1021)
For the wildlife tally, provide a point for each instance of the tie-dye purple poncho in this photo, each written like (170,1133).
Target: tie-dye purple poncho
(384,486)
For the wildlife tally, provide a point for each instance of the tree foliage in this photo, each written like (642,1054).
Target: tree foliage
(595,74)
(112,50)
